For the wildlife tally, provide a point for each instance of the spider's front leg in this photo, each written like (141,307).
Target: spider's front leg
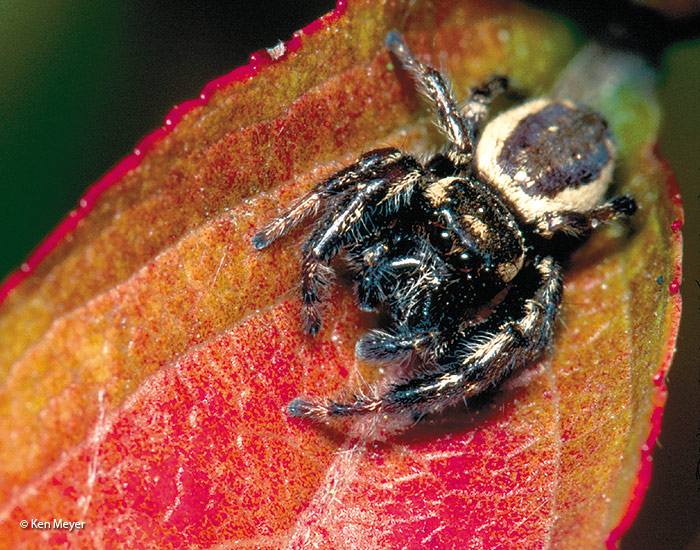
(370,165)
(377,186)
(374,201)
(515,335)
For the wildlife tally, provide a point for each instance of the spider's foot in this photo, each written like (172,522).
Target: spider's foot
(301,408)
(260,240)
(312,319)
(394,41)
(624,205)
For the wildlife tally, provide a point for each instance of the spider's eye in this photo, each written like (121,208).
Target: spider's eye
(467,261)
(442,240)
(461,257)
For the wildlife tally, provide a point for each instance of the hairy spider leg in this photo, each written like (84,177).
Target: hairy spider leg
(476,109)
(460,126)
(381,345)
(580,223)
(369,166)
(432,85)
(477,360)
(353,216)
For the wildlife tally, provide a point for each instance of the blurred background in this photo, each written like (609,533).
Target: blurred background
(82,82)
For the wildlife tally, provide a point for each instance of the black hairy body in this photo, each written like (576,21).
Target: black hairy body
(453,251)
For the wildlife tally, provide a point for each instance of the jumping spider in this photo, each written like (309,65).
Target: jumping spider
(454,251)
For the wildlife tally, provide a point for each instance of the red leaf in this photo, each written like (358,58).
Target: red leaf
(148,353)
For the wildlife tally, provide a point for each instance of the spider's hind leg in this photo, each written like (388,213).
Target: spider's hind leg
(431,83)
(460,126)
(476,109)
(579,224)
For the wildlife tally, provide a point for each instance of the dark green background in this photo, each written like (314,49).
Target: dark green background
(81,83)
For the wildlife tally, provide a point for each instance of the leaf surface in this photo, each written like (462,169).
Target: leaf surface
(148,353)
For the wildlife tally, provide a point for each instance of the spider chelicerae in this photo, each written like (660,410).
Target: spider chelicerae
(454,251)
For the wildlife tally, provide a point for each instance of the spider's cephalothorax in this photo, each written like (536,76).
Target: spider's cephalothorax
(452,251)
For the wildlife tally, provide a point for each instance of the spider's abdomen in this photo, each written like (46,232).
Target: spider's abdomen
(548,156)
